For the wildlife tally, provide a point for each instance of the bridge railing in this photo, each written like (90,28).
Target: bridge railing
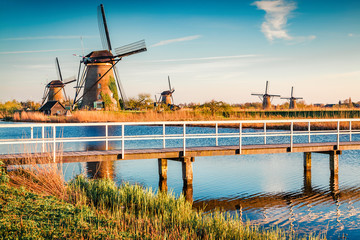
(53,133)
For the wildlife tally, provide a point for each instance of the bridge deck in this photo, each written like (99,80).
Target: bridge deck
(175,153)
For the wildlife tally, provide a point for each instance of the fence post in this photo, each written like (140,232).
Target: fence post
(264,133)
(291,136)
(54,140)
(240,138)
(43,138)
(184,140)
(216,134)
(350,129)
(164,135)
(309,131)
(122,141)
(106,136)
(338,135)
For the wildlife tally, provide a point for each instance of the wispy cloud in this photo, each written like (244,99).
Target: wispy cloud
(169,41)
(40,51)
(353,35)
(276,17)
(45,37)
(207,58)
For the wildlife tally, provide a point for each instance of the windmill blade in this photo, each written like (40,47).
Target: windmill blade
(120,87)
(298,98)
(169,83)
(172,100)
(58,71)
(292,90)
(286,98)
(69,80)
(266,88)
(274,95)
(103,29)
(130,49)
(257,94)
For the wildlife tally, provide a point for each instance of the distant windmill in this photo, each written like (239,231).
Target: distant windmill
(166,97)
(292,99)
(100,80)
(54,90)
(266,98)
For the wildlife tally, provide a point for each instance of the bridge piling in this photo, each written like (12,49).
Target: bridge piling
(307,161)
(334,162)
(163,167)
(187,170)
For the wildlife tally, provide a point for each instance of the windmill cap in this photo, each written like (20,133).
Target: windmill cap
(103,55)
(55,83)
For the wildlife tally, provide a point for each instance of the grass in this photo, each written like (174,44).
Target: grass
(186,114)
(98,209)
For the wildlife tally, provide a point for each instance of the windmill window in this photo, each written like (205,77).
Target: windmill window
(99,96)
(99,75)
(99,85)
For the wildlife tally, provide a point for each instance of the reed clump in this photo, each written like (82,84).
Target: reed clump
(88,209)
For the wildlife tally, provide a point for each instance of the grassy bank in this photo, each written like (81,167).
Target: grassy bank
(37,204)
(185,115)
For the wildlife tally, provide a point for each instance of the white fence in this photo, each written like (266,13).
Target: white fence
(240,134)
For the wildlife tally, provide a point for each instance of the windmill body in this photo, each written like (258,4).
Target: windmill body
(56,91)
(266,98)
(98,79)
(292,99)
(99,82)
(166,97)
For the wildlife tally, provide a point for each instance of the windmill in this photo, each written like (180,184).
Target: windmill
(54,90)
(166,97)
(99,82)
(266,98)
(292,99)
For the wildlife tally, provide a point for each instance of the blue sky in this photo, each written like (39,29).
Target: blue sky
(222,50)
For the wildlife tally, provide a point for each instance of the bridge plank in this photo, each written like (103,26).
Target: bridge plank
(133,154)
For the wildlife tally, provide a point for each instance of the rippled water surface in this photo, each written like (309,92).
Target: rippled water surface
(269,189)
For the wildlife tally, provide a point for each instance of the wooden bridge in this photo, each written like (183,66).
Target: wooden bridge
(251,137)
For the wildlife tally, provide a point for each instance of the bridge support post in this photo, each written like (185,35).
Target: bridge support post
(187,170)
(163,185)
(334,163)
(163,167)
(188,193)
(307,161)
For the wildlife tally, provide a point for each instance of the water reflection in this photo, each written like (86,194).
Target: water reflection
(98,169)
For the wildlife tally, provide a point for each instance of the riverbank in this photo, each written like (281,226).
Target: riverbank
(185,115)
(193,115)
(37,203)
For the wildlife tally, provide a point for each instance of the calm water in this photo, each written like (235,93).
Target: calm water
(269,189)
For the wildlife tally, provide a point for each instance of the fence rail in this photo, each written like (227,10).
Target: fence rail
(49,130)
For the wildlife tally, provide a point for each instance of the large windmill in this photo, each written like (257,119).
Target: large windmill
(292,99)
(166,97)
(99,82)
(266,98)
(54,90)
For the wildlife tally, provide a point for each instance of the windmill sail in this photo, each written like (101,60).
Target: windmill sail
(104,31)
(130,49)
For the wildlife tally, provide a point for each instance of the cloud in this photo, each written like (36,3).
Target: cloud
(207,58)
(40,51)
(276,17)
(45,37)
(169,41)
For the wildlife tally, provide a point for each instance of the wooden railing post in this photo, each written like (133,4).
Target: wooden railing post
(164,135)
(216,134)
(122,141)
(338,135)
(291,136)
(240,138)
(54,142)
(106,137)
(184,139)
